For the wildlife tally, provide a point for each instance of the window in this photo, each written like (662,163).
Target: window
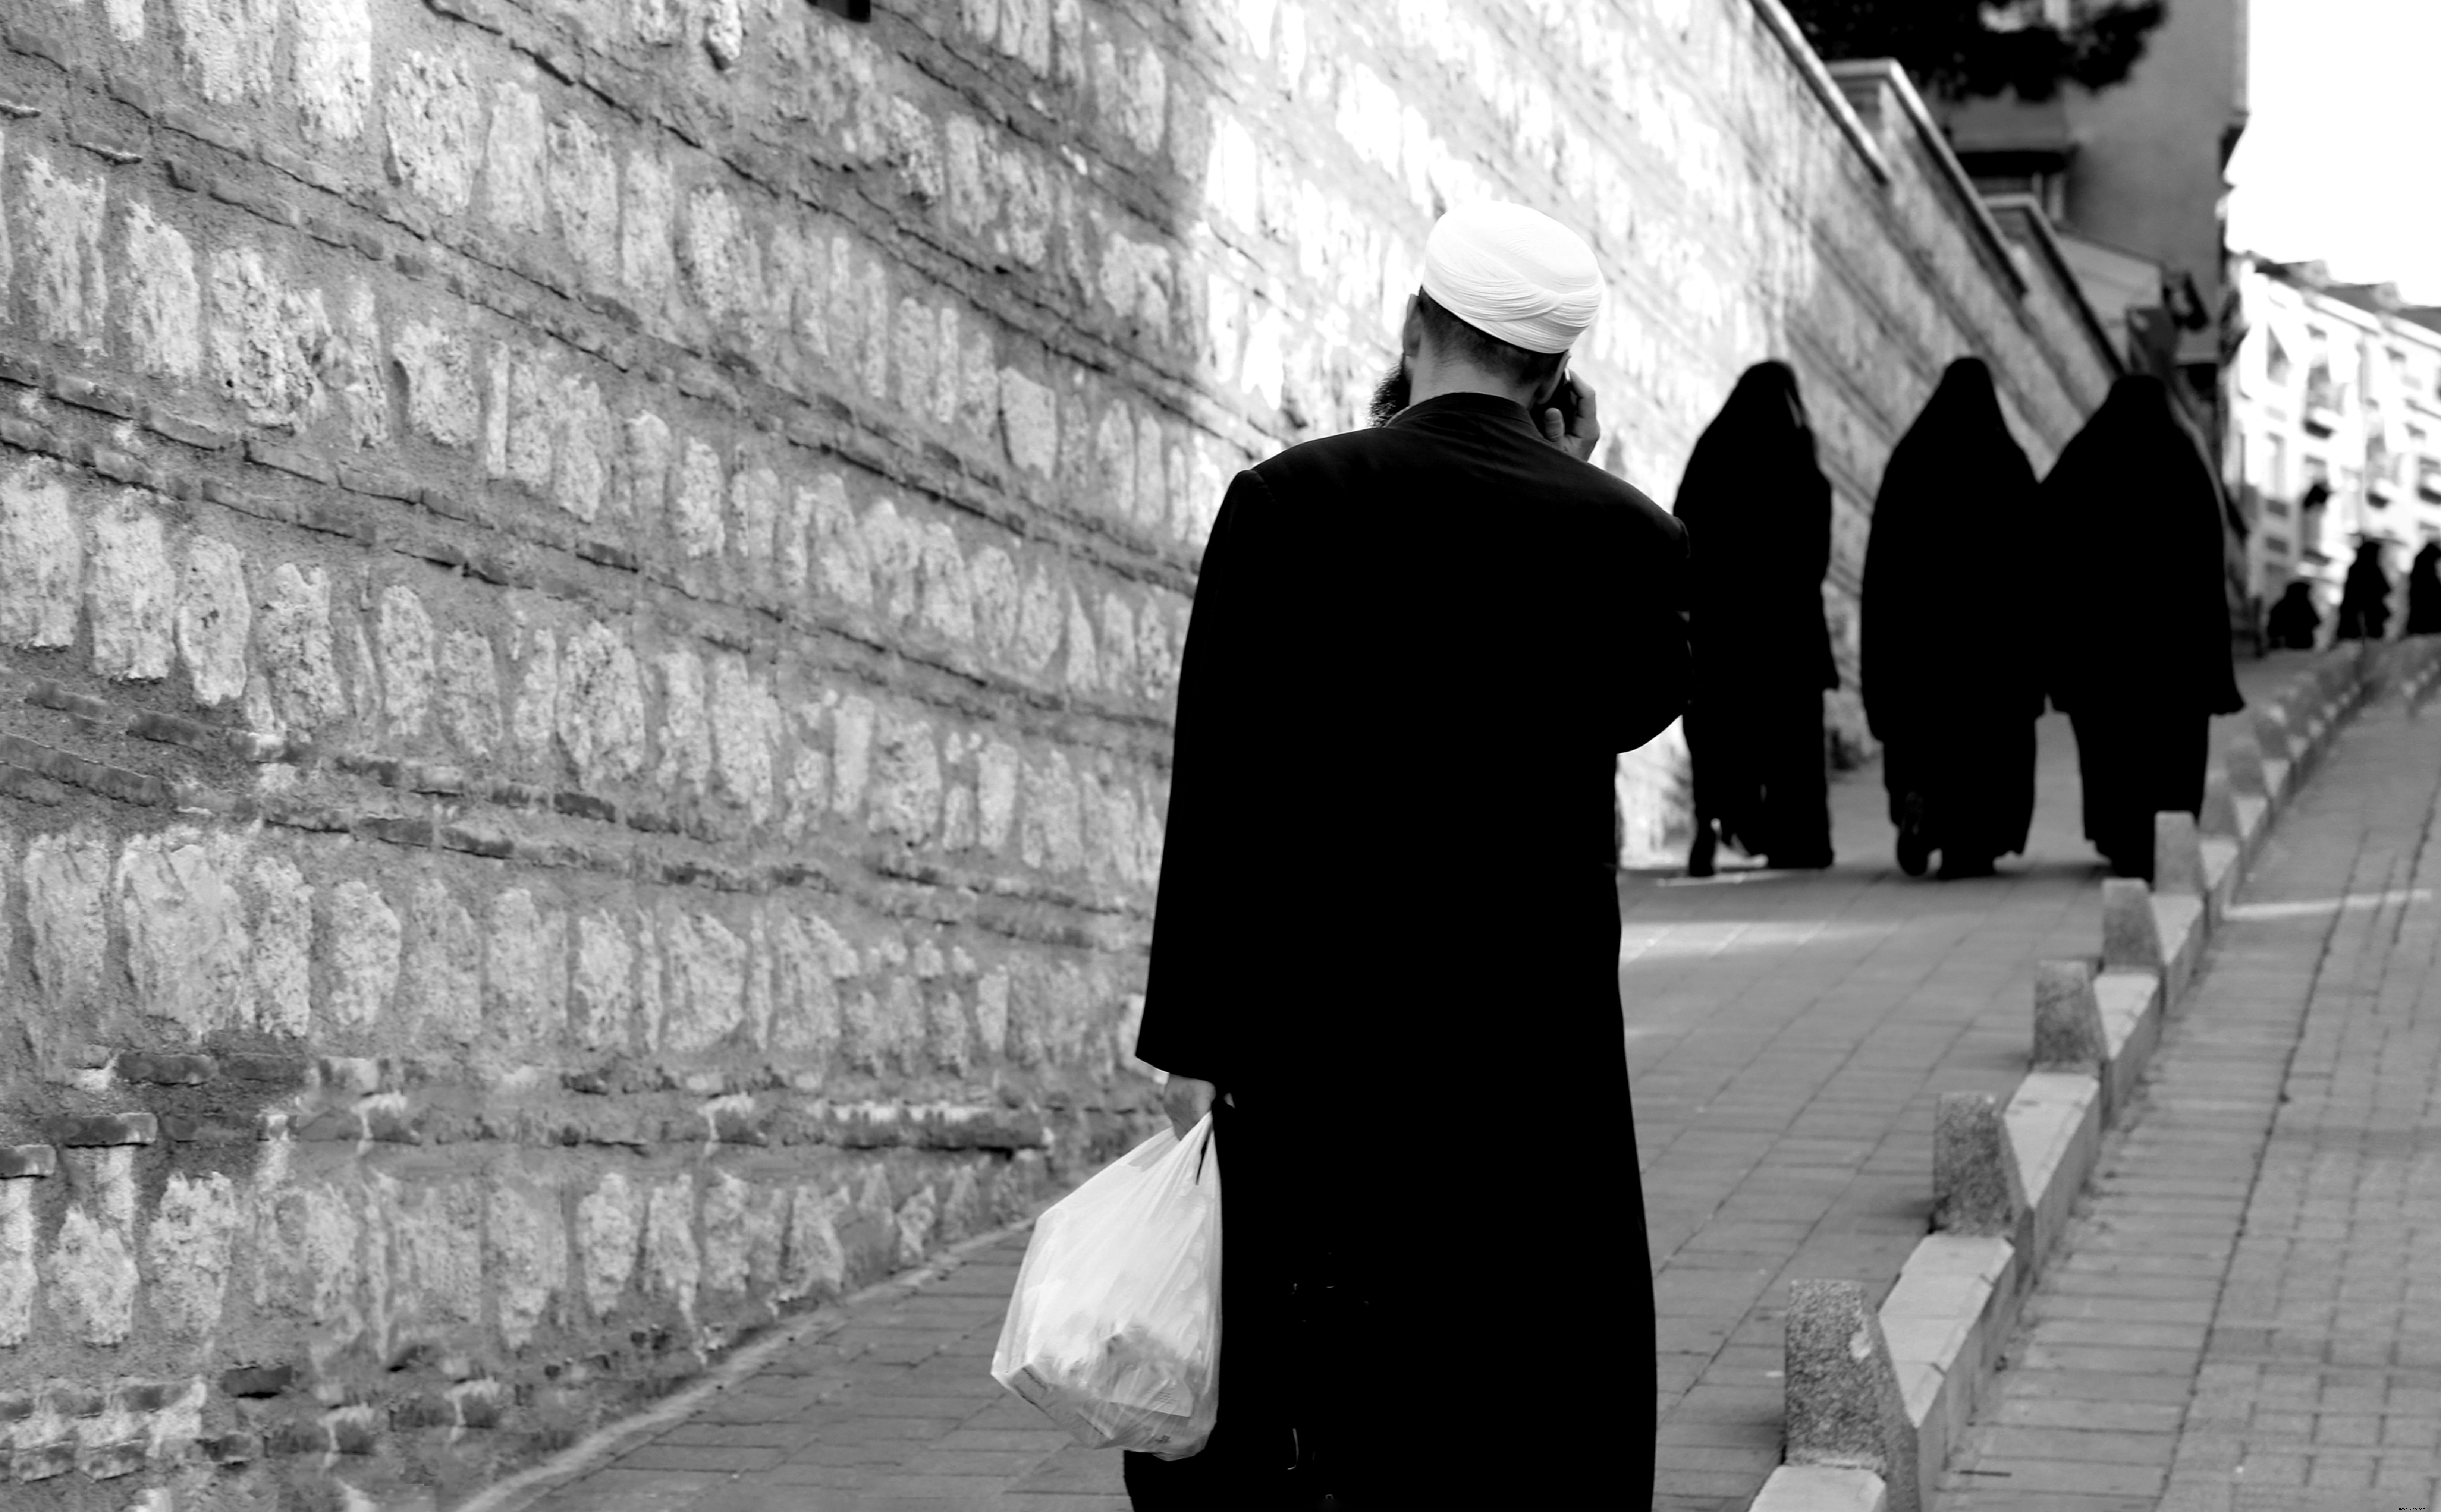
(2277,508)
(2276,544)
(2276,365)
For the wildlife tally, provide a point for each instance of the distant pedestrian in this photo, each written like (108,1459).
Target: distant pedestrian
(2295,623)
(2364,598)
(1758,515)
(2142,658)
(1303,972)
(1952,683)
(2424,591)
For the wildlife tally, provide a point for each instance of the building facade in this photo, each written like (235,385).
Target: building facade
(2133,175)
(2335,428)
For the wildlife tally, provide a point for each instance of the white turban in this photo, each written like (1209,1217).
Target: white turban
(1513,273)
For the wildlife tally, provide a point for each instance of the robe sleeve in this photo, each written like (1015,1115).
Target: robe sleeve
(1657,658)
(1185,1028)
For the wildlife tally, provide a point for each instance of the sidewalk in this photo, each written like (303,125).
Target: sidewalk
(1788,1036)
(2247,1314)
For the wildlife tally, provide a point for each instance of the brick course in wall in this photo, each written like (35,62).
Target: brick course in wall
(589,595)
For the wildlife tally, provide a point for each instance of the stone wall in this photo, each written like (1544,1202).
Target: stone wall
(589,601)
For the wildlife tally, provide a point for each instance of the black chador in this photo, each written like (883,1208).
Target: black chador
(1758,515)
(1952,687)
(2364,599)
(2295,623)
(1415,652)
(2424,591)
(2141,652)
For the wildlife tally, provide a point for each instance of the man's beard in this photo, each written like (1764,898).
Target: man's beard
(1390,394)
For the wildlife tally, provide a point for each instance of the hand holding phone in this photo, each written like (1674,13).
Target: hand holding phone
(1569,422)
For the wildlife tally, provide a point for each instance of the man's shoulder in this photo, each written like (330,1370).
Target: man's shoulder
(1373,446)
(1375,450)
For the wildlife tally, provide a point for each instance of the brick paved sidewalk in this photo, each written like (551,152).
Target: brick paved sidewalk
(1788,1035)
(2247,1313)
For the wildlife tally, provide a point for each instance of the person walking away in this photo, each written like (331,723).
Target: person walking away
(1758,515)
(2424,590)
(2143,660)
(2364,598)
(1387,856)
(1952,683)
(2295,625)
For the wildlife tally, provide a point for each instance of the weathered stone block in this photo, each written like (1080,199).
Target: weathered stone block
(2244,754)
(41,556)
(2273,734)
(2218,815)
(2068,1034)
(258,1380)
(2178,863)
(27,1161)
(2130,938)
(103,1130)
(1843,1403)
(164,1069)
(1977,1188)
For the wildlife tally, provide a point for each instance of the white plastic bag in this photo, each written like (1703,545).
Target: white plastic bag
(1115,1328)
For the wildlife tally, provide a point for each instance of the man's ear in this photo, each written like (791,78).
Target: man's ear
(1411,330)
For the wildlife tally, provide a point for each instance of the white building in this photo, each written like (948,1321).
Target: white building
(2335,407)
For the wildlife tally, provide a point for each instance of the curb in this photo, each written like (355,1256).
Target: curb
(1876,1400)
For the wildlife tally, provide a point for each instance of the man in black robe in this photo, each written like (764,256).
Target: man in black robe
(1388,891)
(2364,598)
(2141,661)
(1952,685)
(1759,511)
(2424,590)
(2295,625)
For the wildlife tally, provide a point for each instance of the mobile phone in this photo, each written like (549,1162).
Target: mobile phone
(1563,399)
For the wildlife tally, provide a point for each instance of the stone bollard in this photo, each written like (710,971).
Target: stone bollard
(2245,754)
(1977,1188)
(2218,815)
(2271,734)
(2068,1018)
(1843,1405)
(2130,938)
(2177,862)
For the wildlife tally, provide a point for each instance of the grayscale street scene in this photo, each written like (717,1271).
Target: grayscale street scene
(786,755)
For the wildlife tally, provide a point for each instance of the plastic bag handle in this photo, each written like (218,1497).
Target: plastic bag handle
(1210,1128)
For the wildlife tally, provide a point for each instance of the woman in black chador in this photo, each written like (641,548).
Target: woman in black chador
(1758,518)
(2295,622)
(2142,661)
(2364,599)
(1952,686)
(2424,591)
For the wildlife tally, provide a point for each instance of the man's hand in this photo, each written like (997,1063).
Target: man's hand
(1185,1100)
(1578,439)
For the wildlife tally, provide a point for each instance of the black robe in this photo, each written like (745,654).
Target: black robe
(2364,599)
(2141,645)
(1758,515)
(2424,591)
(1415,654)
(1952,683)
(2295,623)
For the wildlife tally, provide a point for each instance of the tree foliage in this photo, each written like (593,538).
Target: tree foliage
(1970,47)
